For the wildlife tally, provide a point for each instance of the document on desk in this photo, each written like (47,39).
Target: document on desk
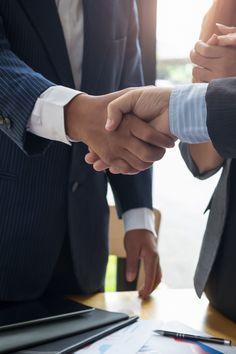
(127,340)
(158,344)
(139,338)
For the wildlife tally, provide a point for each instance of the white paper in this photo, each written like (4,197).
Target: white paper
(139,338)
(163,345)
(127,340)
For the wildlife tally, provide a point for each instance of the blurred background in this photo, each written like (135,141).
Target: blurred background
(179,196)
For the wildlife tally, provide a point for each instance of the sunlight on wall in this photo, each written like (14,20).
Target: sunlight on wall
(180,197)
(178,26)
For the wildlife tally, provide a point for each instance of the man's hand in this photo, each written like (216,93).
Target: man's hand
(130,149)
(142,244)
(150,104)
(216,58)
(227,36)
(147,103)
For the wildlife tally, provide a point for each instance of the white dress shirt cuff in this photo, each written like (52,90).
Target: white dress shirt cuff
(47,118)
(139,218)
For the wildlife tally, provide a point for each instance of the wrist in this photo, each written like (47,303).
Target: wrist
(74,116)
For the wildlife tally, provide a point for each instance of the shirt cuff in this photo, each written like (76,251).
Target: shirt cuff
(187,113)
(139,218)
(47,118)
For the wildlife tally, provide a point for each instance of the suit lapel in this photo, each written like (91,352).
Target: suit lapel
(214,230)
(44,18)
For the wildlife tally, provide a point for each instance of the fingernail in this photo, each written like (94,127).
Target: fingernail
(109,124)
(130,276)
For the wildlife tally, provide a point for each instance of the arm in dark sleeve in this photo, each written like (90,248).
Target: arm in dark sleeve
(221,115)
(132,73)
(132,192)
(20,88)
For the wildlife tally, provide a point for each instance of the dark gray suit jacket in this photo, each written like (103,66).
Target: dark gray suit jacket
(47,191)
(221,122)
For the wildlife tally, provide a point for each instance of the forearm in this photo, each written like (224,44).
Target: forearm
(205,157)
(131,192)
(221,11)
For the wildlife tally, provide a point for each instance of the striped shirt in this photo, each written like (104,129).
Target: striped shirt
(187,113)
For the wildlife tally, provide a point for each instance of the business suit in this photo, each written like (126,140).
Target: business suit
(215,272)
(47,190)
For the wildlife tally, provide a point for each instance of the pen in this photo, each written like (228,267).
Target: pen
(193,337)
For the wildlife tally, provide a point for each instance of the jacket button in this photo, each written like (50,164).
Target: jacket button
(5,121)
(75,186)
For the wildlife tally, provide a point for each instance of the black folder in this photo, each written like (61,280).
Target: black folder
(13,340)
(72,343)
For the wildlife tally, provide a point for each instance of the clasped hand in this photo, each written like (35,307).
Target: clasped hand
(137,123)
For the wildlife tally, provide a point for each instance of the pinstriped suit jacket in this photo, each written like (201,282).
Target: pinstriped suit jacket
(38,205)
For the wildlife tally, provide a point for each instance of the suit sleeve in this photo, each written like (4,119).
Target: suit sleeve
(184,150)
(132,191)
(20,88)
(221,115)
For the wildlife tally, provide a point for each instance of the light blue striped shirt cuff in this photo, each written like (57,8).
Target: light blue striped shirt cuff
(187,113)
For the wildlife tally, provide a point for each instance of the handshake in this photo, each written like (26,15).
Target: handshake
(125,131)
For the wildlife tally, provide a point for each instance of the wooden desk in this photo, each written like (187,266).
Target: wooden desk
(168,305)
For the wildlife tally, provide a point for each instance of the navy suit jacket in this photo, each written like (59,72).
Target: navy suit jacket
(47,191)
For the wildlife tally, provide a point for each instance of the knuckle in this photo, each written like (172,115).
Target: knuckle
(192,55)
(150,135)
(145,155)
(112,104)
(142,165)
(195,72)
(146,135)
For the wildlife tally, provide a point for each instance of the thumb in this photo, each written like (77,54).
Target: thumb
(117,108)
(225,29)
(213,40)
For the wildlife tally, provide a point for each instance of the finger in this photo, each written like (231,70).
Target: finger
(225,29)
(158,275)
(146,154)
(116,170)
(120,106)
(145,132)
(132,262)
(129,164)
(207,50)
(200,60)
(213,40)
(100,165)
(150,266)
(134,165)
(227,40)
(91,158)
(202,74)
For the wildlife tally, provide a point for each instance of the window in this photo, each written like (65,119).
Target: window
(180,197)
(178,28)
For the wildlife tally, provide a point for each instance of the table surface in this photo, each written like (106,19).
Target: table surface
(180,305)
